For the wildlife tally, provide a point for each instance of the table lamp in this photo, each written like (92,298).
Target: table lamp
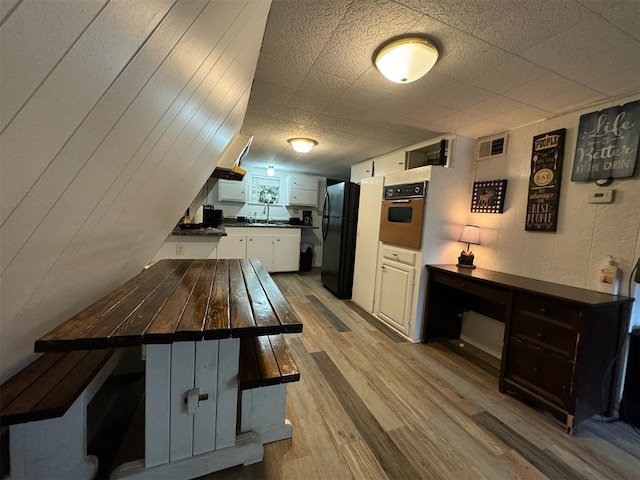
(470,235)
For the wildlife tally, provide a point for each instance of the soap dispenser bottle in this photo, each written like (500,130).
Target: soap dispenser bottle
(609,277)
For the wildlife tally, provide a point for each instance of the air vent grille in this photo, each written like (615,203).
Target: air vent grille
(492,147)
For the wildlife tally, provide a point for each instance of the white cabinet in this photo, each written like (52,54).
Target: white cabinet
(395,286)
(278,249)
(286,252)
(361,170)
(232,191)
(364,273)
(261,247)
(394,162)
(232,246)
(302,190)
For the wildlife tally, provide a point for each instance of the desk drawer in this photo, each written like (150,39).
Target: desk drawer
(541,372)
(472,286)
(557,336)
(542,307)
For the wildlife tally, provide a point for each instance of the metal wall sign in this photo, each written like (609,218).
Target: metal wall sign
(607,145)
(544,182)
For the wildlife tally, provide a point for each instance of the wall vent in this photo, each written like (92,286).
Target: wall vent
(492,147)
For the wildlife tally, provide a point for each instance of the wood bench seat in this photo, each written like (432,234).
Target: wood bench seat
(265,361)
(48,387)
(266,368)
(45,407)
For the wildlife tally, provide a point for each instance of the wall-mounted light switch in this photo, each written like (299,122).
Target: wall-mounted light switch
(601,195)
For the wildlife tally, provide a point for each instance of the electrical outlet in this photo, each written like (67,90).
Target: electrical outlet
(179,249)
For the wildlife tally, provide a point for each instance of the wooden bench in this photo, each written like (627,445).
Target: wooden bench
(45,405)
(266,367)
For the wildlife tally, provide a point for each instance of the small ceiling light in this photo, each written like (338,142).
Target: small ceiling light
(271,171)
(405,59)
(302,145)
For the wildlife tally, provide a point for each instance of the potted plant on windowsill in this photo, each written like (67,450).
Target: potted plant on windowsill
(268,196)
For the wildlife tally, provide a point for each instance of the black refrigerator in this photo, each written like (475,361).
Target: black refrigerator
(339,226)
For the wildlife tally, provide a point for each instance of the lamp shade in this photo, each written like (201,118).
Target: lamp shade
(302,145)
(405,59)
(470,234)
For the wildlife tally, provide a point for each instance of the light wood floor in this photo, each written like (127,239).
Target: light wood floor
(370,406)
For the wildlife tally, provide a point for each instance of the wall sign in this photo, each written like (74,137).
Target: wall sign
(544,182)
(607,145)
(488,196)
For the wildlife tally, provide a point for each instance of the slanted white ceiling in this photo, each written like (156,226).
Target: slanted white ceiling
(503,64)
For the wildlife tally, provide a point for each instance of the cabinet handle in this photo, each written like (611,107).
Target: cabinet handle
(277,239)
(241,240)
(463,285)
(543,311)
(539,335)
(535,370)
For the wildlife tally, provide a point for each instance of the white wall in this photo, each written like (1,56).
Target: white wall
(113,115)
(586,232)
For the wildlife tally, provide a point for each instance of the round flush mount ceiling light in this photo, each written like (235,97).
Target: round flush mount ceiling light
(271,171)
(405,59)
(302,145)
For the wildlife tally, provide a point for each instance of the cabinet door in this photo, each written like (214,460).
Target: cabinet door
(303,197)
(389,164)
(394,297)
(261,247)
(286,253)
(231,191)
(232,246)
(361,170)
(304,182)
(364,273)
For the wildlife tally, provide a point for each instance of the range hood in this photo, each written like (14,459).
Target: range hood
(228,167)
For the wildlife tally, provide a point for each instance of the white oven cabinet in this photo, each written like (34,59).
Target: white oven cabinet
(395,286)
(364,272)
(232,191)
(302,190)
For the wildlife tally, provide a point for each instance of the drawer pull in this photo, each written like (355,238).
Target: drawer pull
(463,285)
(543,311)
(535,370)
(539,335)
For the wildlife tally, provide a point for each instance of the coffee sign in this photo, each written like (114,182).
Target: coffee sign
(544,181)
(607,145)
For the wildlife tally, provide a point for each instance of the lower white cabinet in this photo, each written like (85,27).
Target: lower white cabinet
(395,287)
(278,249)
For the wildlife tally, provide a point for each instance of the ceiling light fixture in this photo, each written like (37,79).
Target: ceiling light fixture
(302,145)
(271,171)
(405,59)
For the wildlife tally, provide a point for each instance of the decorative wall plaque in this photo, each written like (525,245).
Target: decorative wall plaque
(607,145)
(544,182)
(488,196)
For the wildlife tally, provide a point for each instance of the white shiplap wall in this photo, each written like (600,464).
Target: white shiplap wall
(113,115)
(586,233)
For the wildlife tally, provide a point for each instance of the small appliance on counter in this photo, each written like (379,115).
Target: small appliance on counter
(307,217)
(211,217)
(295,221)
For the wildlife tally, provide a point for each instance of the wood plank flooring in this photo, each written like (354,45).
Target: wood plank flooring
(369,406)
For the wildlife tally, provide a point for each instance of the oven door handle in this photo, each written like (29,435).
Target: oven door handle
(399,201)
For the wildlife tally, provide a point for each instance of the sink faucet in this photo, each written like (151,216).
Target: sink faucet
(266,210)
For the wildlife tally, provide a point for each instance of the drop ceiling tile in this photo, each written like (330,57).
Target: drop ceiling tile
(469,15)
(493,106)
(522,116)
(455,122)
(626,16)
(534,23)
(288,71)
(271,92)
(483,128)
(346,110)
(570,100)
(511,74)
(464,96)
(544,87)
(471,60)
(429,113)
(318,91)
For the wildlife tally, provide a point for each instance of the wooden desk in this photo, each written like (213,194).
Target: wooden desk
(189,314)
(561,343)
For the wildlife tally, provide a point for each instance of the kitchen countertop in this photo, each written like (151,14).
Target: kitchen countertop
(199,232)
(266,225)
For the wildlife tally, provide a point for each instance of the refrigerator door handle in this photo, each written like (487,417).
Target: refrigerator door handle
(325,216)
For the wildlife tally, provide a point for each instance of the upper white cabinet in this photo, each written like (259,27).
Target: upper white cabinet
(361,170)
(394,162)
(232,191)
(302,190)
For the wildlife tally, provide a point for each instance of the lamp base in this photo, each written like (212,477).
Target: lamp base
(465,260)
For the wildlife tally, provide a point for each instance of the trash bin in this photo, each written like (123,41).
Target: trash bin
(306,256)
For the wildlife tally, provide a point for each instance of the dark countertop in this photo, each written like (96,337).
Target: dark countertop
(266,225)
(199,232)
